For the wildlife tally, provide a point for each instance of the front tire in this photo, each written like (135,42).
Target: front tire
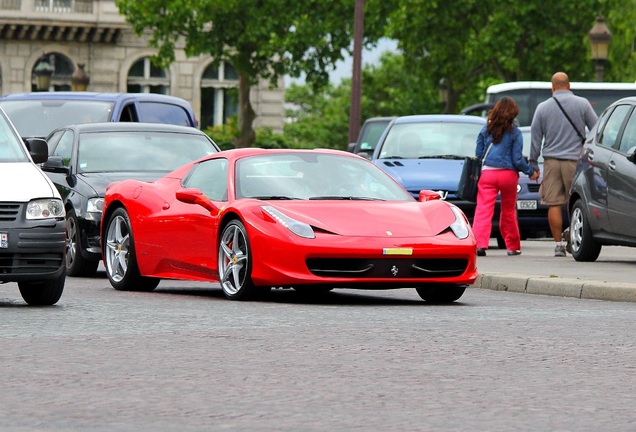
(582,244)
(42,293)
(441,294)
(76,264)
(235,263)
(119,256)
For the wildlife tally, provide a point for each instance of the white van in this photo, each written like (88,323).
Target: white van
(32,220)
(529,94)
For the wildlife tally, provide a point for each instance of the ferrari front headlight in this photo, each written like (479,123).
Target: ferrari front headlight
(460,226)
(301,229)
(45,208)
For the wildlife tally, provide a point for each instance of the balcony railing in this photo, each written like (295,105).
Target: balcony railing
(62,6)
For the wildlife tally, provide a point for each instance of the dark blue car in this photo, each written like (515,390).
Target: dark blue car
(428,152)
(36,114)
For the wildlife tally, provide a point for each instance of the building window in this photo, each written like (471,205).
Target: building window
(58,6)
(219,95)
(61,68)
(144,77)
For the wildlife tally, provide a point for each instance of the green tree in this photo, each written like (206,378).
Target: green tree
(321,117)
(262,39)
(473,43)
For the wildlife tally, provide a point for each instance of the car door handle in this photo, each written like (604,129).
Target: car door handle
(611,166)
(590,155)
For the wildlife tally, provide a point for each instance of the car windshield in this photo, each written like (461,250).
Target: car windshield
(309,175)
(144,151)
(431,139)
(11,149)
(37,118)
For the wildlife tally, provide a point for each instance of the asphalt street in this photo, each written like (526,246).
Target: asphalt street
(538,271)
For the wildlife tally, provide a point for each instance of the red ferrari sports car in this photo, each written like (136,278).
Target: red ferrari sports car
(311,220)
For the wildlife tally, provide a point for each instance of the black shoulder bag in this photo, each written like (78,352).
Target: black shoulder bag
(570,120)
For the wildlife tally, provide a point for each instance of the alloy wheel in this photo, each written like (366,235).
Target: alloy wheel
(117,248)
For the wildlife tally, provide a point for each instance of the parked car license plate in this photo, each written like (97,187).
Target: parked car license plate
(527,205)
(4,240)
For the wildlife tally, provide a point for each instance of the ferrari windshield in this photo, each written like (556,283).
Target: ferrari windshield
(314,175)
(11,149)
(143,151)
(431,139)
(37,118)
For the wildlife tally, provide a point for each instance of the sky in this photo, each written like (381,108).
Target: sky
(344,69)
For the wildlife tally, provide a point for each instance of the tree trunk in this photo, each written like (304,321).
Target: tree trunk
(246,114)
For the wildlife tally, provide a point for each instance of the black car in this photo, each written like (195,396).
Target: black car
(602,202)
(85,158)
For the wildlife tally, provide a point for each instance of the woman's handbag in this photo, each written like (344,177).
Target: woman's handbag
(467,186)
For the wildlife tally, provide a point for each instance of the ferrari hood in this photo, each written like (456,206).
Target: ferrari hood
(418,174)
(27,182)
(372,218)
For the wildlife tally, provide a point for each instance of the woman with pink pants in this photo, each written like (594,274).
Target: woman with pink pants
(499,147)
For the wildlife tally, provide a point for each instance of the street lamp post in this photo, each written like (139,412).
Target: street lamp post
(600,38)
(43,71)
(356,78)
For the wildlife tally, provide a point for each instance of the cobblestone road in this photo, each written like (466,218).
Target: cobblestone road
(185,359)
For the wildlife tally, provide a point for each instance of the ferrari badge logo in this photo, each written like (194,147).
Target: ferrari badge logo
(394,270)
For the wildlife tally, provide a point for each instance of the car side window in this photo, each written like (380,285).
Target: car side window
(210,177)
(628,140)
(64,147)
(152,112)
(612,127)
(129,114)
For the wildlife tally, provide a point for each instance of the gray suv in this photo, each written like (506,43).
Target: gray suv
(602,203)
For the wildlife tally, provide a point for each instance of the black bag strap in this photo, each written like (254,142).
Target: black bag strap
(569,119)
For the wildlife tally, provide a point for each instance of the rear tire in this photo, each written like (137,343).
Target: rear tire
(42,293)
(119,256)
(442,293)
(583,246)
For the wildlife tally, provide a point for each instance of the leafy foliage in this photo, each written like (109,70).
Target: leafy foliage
(262,39)
(472,43)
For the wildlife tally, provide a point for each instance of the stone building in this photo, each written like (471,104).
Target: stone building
(73,36)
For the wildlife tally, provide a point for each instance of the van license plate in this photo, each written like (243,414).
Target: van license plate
(527,205)
(4,240)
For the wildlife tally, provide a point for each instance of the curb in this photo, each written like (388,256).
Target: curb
(555,286)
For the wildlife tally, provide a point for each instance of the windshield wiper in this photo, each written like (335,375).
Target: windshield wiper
(392,157)
(344,198)
(273,197)
(443,157)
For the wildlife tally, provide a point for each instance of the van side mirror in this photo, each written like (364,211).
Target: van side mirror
(38,149)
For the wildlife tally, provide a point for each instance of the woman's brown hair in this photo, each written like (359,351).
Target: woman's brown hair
(501,118)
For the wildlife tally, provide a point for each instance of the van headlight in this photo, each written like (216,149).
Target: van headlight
(45,208)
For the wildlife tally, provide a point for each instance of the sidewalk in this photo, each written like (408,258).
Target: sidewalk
(538,271)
